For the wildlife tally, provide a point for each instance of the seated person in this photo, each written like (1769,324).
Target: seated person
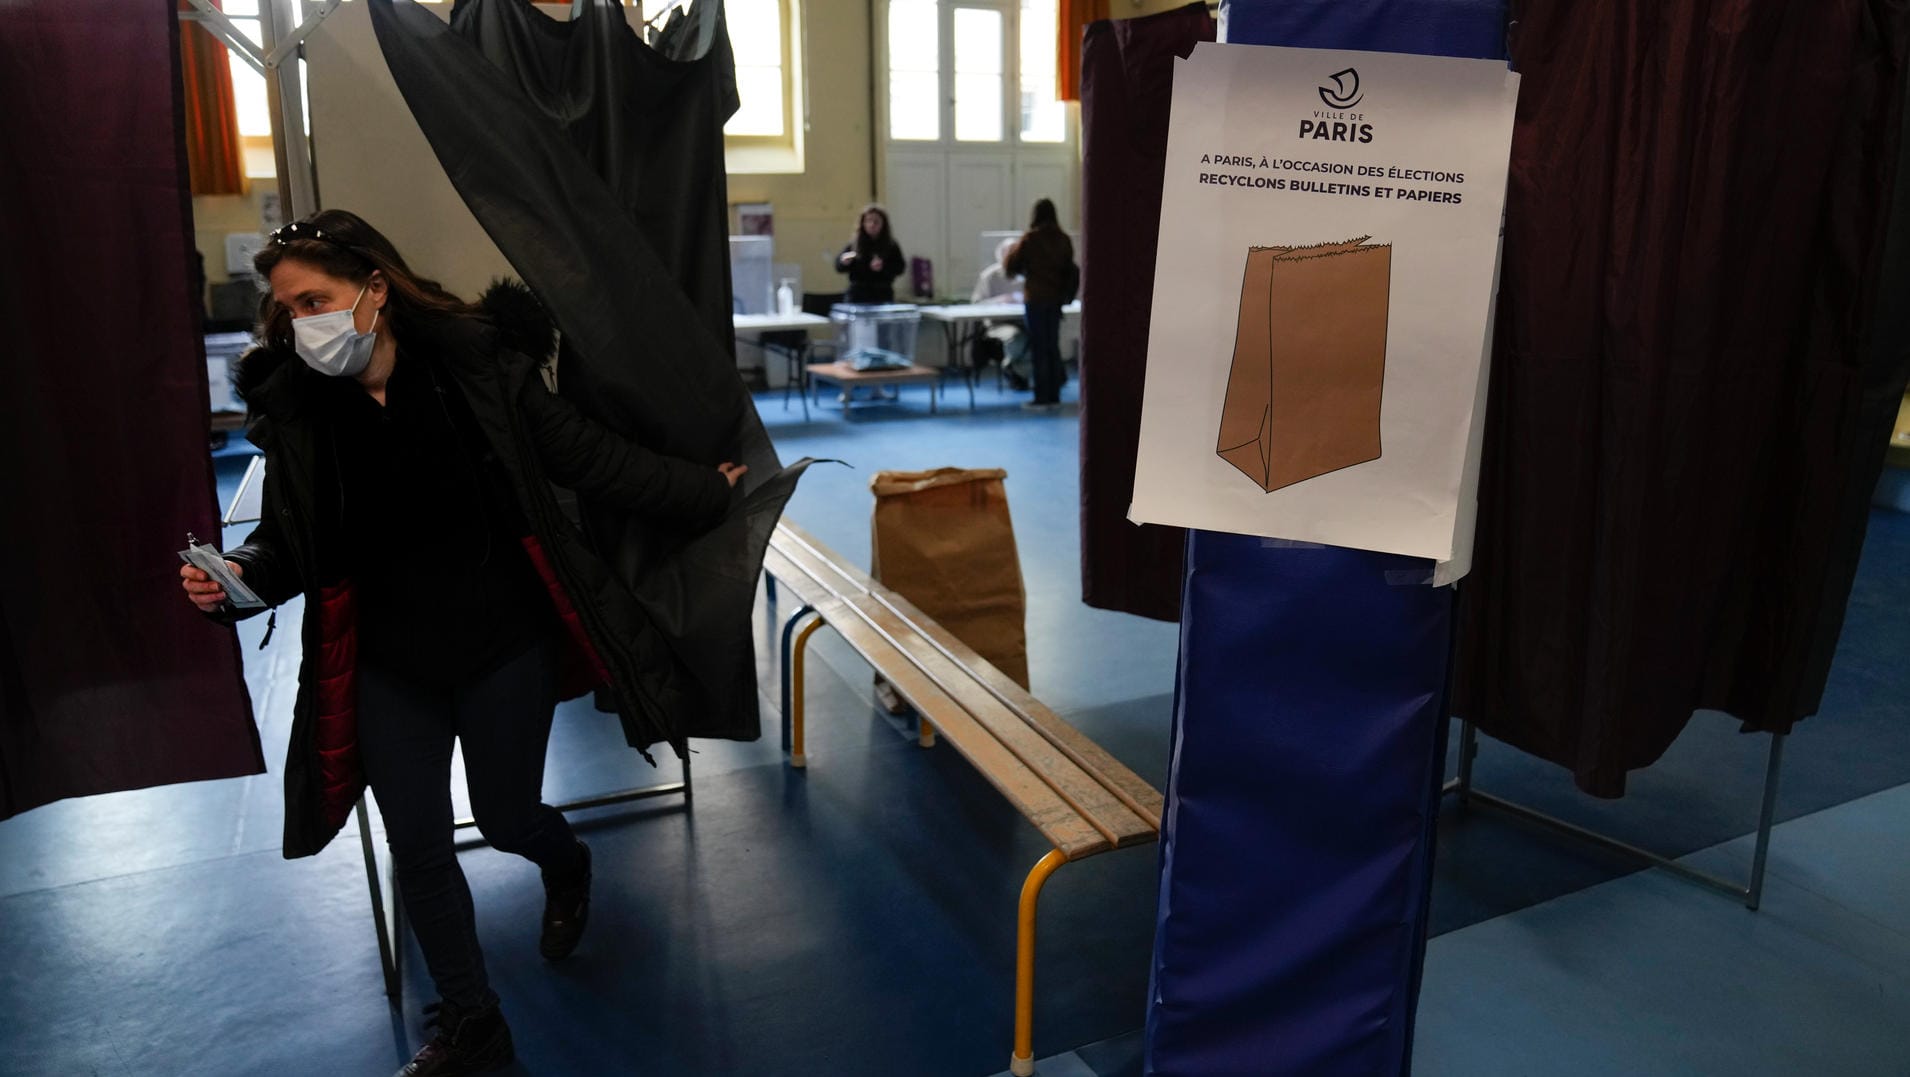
(1001,339)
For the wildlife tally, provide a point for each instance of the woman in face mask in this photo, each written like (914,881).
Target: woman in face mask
(410,448)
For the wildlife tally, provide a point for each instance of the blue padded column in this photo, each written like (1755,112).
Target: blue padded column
(1309,741)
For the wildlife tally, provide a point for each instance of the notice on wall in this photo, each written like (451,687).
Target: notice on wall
(1329,248)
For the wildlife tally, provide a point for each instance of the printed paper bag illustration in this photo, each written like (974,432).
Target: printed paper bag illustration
(944,541)
(1309,362)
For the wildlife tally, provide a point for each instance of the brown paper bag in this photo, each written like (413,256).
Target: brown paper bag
(1309,364)
(944,541)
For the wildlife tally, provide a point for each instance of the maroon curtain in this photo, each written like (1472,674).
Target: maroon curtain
(1127,80)
(1688,404)
(108,678)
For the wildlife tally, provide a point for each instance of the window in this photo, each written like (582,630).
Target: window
(762,33)
(761,45)
(248,88)
(978,75)
(1043,117)
(979,70)
(915,93)
(762,37)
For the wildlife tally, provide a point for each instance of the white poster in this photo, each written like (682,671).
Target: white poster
(1329,243)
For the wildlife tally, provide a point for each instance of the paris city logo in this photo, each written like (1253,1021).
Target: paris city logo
(1334,123)
(1345,91)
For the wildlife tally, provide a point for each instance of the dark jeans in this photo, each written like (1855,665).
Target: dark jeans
(405,732)
(1044,349)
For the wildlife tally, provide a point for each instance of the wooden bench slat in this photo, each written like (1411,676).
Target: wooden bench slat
(987,717)
(1133,790)
(1084,791)
(793,538)
(1136,792)
(1057,820)
(790,577)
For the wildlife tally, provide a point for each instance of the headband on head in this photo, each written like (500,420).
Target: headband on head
(286,233)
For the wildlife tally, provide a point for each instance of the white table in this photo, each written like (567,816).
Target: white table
(778,323)
(770,323)
(968,312)
(961,321)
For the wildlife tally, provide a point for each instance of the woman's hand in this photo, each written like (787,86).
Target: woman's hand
(846,258)
(206,594)
(730,472)
(876,263)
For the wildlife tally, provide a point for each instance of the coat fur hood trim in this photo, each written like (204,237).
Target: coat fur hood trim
(508,307)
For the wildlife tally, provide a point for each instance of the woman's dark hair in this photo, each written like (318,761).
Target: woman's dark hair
(881,240)
(1043,215)
(339,243)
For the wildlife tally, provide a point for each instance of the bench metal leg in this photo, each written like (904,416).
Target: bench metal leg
(1022,1062)
(789,633)
(796,669)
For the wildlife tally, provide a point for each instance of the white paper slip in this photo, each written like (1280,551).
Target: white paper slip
(212,562)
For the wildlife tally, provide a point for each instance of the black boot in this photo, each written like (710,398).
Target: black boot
(467,1041)
(566,908)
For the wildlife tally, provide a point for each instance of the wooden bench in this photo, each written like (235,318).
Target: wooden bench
(1082,799)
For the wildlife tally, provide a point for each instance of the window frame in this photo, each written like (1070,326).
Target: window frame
(786,14)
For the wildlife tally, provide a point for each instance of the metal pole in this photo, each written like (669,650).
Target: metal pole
(1626,849)
(1468,749)
(298,184)
(1750,893)
(1767,813)
(297,37)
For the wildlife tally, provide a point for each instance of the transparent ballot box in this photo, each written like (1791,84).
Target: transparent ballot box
(875,336)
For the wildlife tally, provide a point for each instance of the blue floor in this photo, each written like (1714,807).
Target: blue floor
(857,918)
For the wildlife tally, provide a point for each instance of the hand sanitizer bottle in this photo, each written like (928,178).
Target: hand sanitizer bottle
(785,298)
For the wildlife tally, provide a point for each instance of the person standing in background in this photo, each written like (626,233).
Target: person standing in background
(1044,259)
(872,258)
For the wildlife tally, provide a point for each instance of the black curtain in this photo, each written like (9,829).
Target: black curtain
(109,679)
(1693,380)
(1127,80)
(595,163)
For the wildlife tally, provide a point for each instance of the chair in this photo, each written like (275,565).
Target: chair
(797,348)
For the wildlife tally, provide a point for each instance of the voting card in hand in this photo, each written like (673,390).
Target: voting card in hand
(208,559)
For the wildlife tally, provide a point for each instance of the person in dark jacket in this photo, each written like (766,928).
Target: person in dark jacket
(872,259)
(411,445)
(1044,259)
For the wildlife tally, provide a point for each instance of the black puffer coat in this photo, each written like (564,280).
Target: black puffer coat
(541,441)
(867,284)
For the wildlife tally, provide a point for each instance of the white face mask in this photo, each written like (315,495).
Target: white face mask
(331,343)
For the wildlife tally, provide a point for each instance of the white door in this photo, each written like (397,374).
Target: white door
(975,134)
